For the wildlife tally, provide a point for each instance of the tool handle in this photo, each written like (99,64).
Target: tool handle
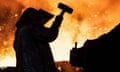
(62,13)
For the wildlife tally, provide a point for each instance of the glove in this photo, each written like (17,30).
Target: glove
(58,21)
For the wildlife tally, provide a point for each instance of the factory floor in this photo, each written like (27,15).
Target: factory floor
(65,66)
(62,66)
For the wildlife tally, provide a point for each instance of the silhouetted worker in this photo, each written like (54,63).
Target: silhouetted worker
(32,39)
(26,18)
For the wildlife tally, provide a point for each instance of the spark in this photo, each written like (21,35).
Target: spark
(0,28)
(16,15)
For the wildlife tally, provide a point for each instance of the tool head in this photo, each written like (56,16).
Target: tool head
(65,8)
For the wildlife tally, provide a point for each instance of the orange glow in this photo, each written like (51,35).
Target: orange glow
(89,20)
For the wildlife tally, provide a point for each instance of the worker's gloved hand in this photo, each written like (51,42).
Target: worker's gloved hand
(59,18)
(58,21)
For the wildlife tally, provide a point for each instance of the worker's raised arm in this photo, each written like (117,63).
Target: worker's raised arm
(57,22)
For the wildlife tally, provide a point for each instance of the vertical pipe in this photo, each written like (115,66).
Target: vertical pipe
(75,44)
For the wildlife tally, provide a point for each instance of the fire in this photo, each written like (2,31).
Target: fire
(9,59)
(89,20)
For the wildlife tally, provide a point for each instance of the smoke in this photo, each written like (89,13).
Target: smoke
(38,4)
(10,11)
(92,18)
